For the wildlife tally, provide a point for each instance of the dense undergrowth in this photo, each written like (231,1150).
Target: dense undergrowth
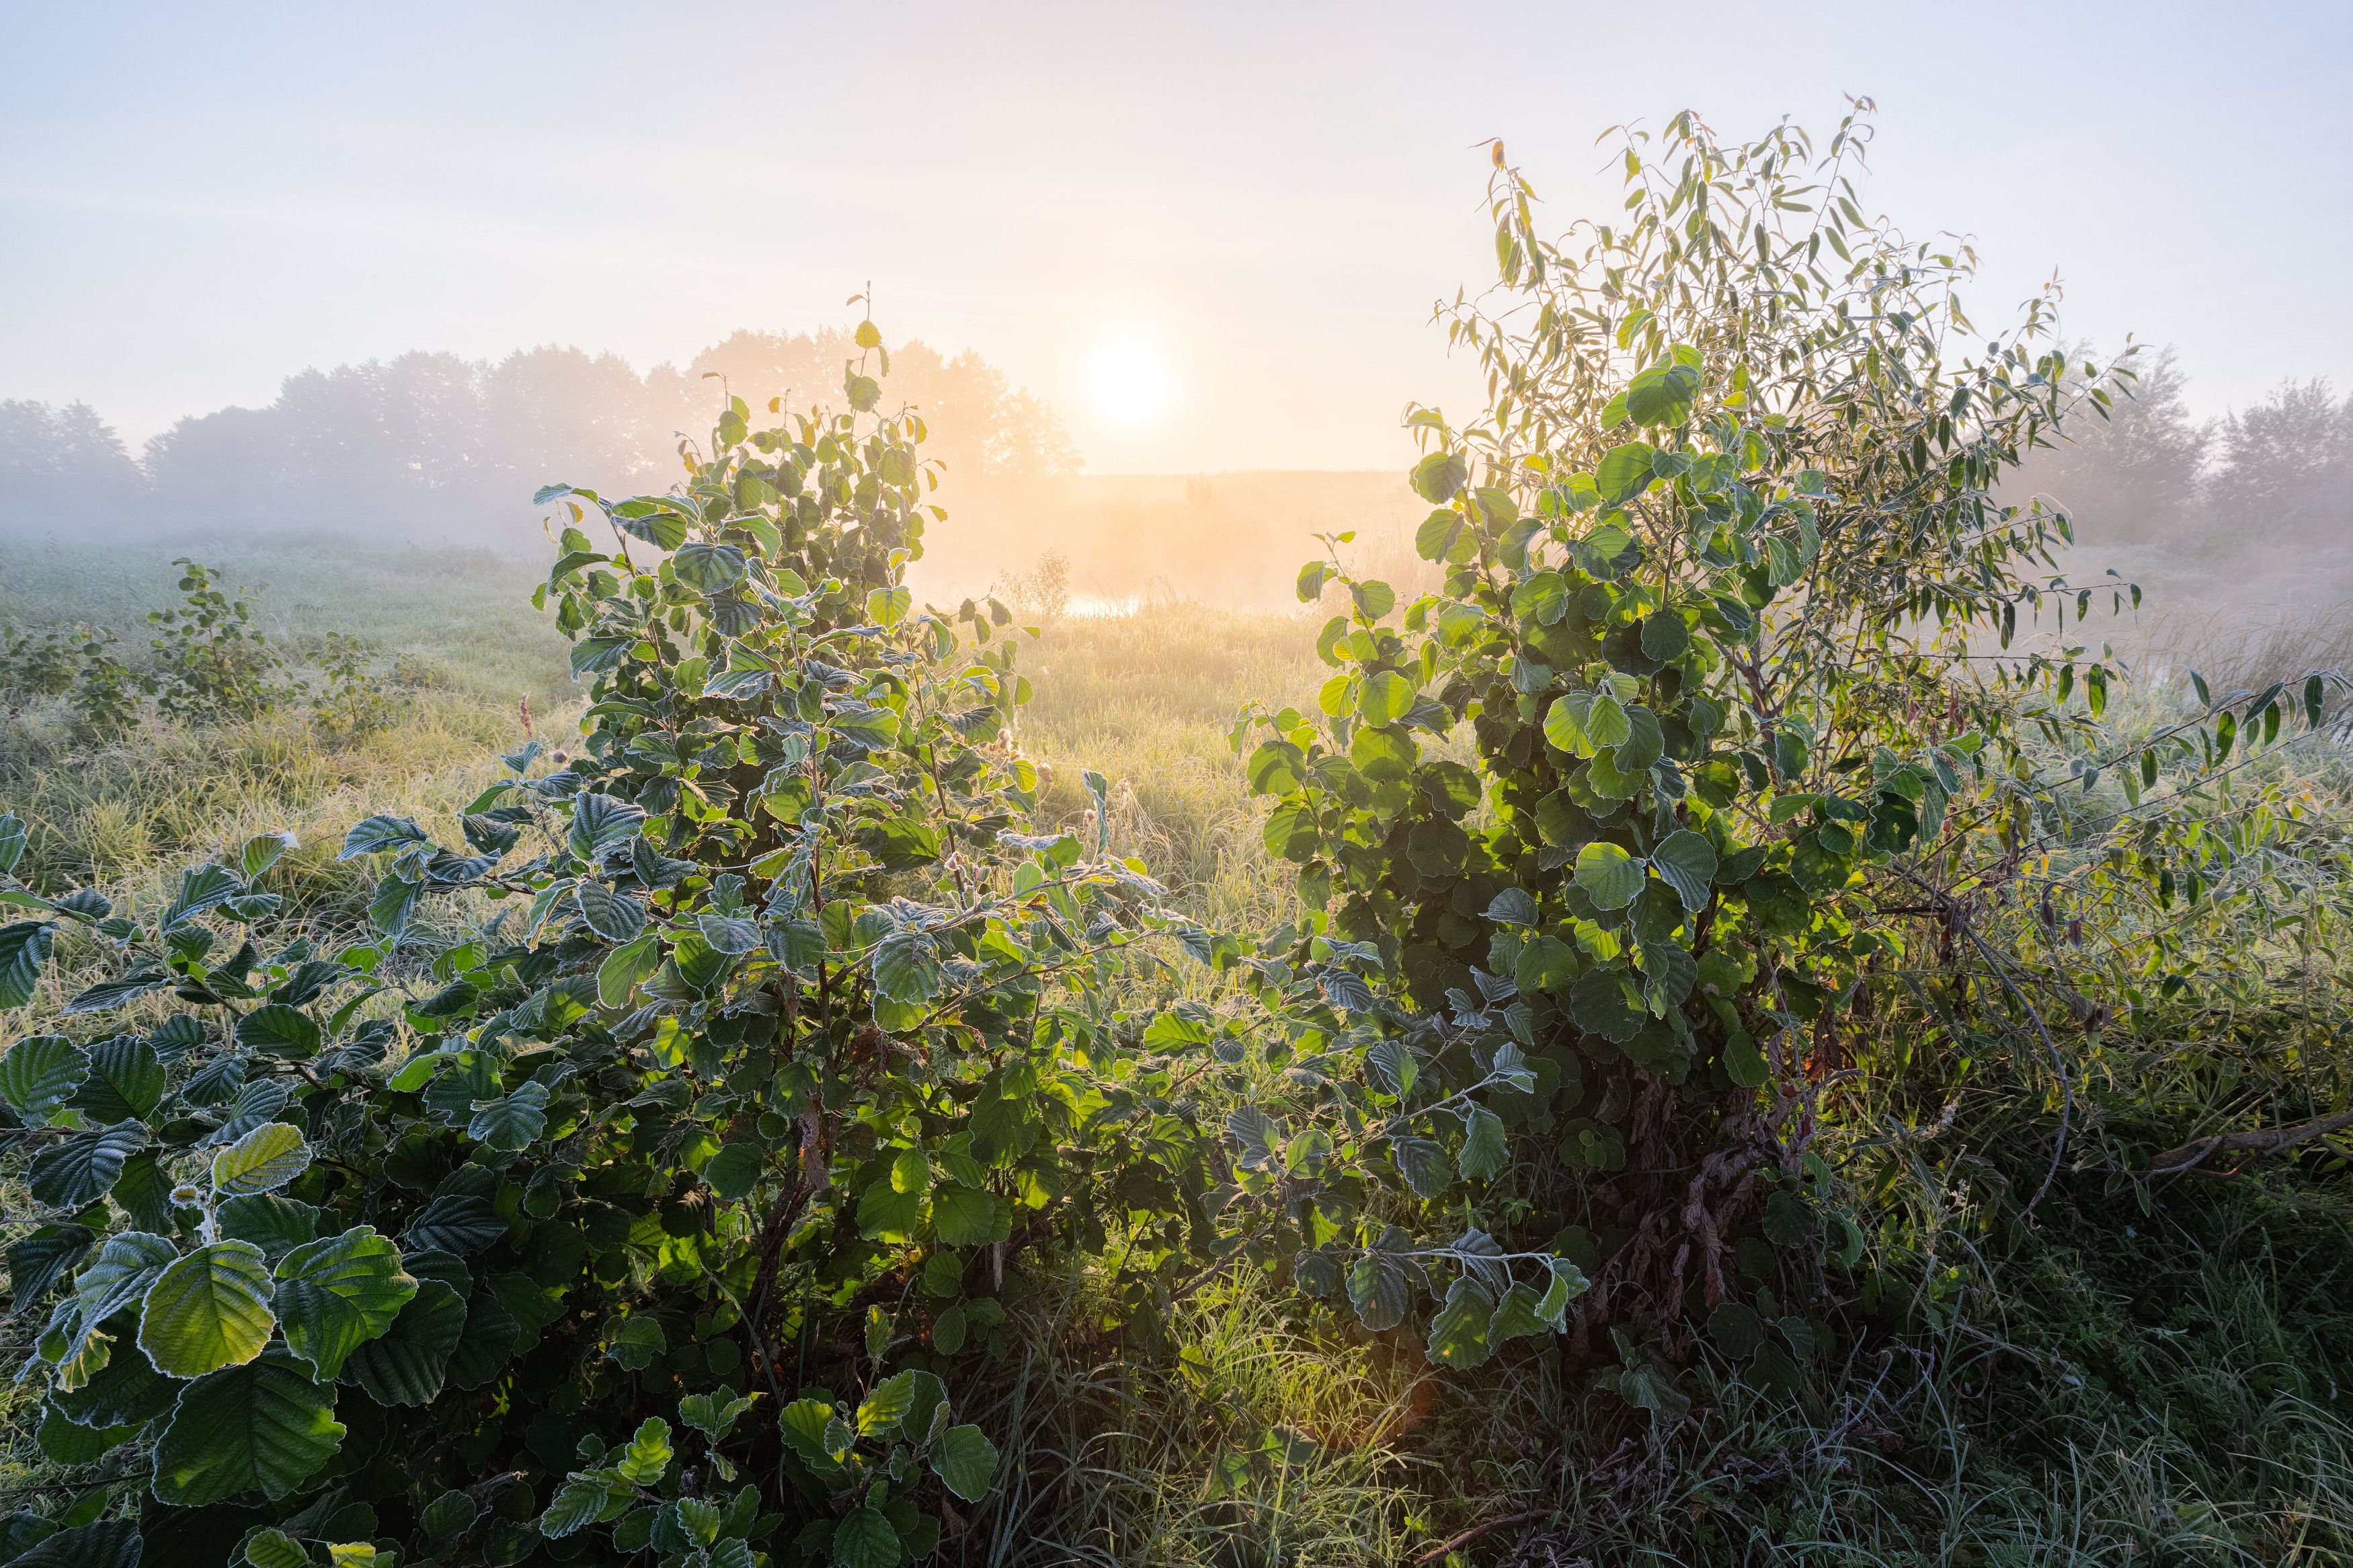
(2066,1162)
(2115,1384)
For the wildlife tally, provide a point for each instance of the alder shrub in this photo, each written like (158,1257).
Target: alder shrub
(664,1206)
(1718,694)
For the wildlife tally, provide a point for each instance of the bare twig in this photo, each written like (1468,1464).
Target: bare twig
(2263,1140)
(1466,1537)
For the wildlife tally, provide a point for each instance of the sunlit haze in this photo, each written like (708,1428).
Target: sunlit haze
(1128,383)
(200,202)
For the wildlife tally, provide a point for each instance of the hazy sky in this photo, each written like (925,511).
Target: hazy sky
(1263,198)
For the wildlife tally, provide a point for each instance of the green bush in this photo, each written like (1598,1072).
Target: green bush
(786,1062)
(1611,835)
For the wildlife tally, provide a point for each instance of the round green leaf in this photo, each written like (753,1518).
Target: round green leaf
(1485,1152)
(336,1295)
(865,1539)
(734,1169)
(24,949)
(38,1072)
(1385,697)
(708,568)
(115,1543)
(962,1216)
(1685,861)
(83,1169)
(1609,876)
(1437,476)
(125,1270)
(126,1080)
(275,1549)
(600,823)
(262,1160)
(1662,395)
(615,916)
(965,1461)
(405,1365)
(513,1121)
(40,1259)
(263,1426)
(1625,472)
(275,1029)
(627,968)
(1379,1290)
(907,967)
(1459,1330)
(208,1310)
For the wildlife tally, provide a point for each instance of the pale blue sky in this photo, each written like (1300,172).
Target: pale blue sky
(198,200)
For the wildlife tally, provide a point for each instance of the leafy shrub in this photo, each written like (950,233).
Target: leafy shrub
(212,661)
(1608,833)
(352,700)
(78,664)
(787,1067)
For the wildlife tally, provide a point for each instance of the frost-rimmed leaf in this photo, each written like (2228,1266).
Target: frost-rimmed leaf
(907,968)
(1422,1163)
(38,1261)
(202,887)
(208,1310)
(374,835)
(1379,1290)
(336,1295)
(38,1073)
(617,916)
(125,1270)
(265,1427)
(110,1544)
(124,1083)
(513,1121)
(262,851)
(456,1223)
(708,568)
(728,934)
(272,1221)
(585,1498)
(965,1460)
(600,823)
(1485,1150)
(109,995)
(1609,876)
(83,1169)
(277,1030)
(262,1160)
(24,949)
(404,1365)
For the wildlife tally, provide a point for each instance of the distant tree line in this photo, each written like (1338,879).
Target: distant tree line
(2274,475)
(455,446)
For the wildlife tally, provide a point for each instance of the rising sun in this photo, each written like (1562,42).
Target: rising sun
(1128,382)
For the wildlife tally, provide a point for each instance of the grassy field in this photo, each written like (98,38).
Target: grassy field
(2147,1372)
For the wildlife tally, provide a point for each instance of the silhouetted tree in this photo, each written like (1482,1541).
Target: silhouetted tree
(441,445)
(63,466)
(2286,467)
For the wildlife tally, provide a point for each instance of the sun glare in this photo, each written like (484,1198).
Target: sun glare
(1128,382)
